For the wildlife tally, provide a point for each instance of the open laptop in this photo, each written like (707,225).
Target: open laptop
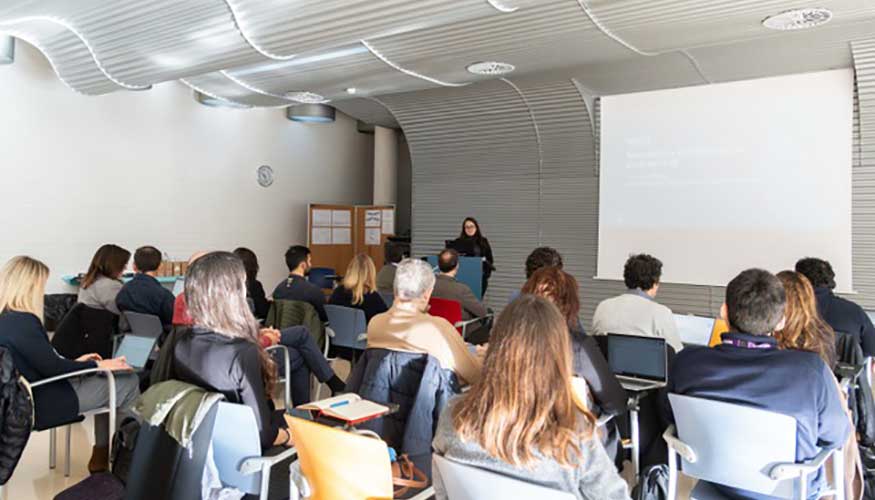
(640,363)
(136,349)
(694,330)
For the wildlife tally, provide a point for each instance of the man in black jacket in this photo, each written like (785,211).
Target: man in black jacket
(296,286)
(748,368)
(144,294)
(841,314)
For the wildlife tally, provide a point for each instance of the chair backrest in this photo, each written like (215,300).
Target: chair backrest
(388,298)
(450,310)
(235,438)
(348,323)
(85,330)
(144,325)
(735,445)
(319,277)
(464,482)
(341,465)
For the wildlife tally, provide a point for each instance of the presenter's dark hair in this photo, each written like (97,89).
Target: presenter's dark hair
(542,257)
(755,301)
(147,259)
(818,271)
(295,255)
(448,260)
(642,271)
(477,235)
(250,262)
(394,253)
(109,261)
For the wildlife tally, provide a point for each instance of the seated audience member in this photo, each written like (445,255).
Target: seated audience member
(359,288)
(386,276)
(636,311)
(588,362)
(587,359)
(804,330)
(296,286)
(144,294)
(222,352)
(527,426)
(540,257)
(446,286)
(408,327)
(304,355)
(749,368)
(103,281)
(841,314)
(254,289)
(22,287)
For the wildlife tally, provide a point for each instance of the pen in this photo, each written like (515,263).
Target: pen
(341,403)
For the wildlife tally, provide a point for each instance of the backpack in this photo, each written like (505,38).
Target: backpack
(653,484)
(123,448)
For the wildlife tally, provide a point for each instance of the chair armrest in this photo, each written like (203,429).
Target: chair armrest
(329,332)
(460,324)
(362,337)
(253,465)
(78,373)
(424,494)
(679,447)
(793,470)
(603,420)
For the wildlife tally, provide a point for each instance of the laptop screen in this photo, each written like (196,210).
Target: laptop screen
(637,357)
(136,349)
(694,330)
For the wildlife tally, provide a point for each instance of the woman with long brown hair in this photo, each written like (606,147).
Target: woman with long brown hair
(520,419)
(222,352)
(804,330)
(103,281)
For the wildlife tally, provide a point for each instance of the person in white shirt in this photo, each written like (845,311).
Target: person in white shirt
(636,311)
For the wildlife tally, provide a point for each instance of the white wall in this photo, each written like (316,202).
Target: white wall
(155,167)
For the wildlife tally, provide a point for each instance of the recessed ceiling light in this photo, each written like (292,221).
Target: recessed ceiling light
(351,90)
(798,19)
(306,97)
(491,68)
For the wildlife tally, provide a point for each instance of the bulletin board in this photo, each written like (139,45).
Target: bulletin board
(374,224)
(330,235)
(336,233)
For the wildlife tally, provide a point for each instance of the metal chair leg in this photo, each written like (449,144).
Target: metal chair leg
(67,452)
(52,444)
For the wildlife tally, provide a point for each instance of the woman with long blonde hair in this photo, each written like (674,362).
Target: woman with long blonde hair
(520,418)
(804,330)
(22,288)
(359,288)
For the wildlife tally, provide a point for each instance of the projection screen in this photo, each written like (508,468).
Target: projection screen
(718,178)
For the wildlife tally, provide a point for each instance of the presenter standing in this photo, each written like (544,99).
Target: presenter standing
(472,243)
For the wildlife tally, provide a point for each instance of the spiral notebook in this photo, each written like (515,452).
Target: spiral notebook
(350,408)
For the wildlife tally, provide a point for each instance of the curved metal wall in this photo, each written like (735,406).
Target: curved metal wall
(522,157)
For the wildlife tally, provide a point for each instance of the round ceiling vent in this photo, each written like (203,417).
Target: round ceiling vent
(306,97)
(491,68)
(798,19)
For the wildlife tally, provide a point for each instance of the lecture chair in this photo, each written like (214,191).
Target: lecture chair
(741,447)
(339,464)
(323,277)
(52,426)
(451,310)
(237,451)
(348,329)
(464,482)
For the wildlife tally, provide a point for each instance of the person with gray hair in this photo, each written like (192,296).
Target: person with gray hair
(408,327)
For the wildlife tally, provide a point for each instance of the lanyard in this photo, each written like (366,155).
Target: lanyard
(746,344)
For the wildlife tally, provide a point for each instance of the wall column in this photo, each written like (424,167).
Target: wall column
(385,166)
